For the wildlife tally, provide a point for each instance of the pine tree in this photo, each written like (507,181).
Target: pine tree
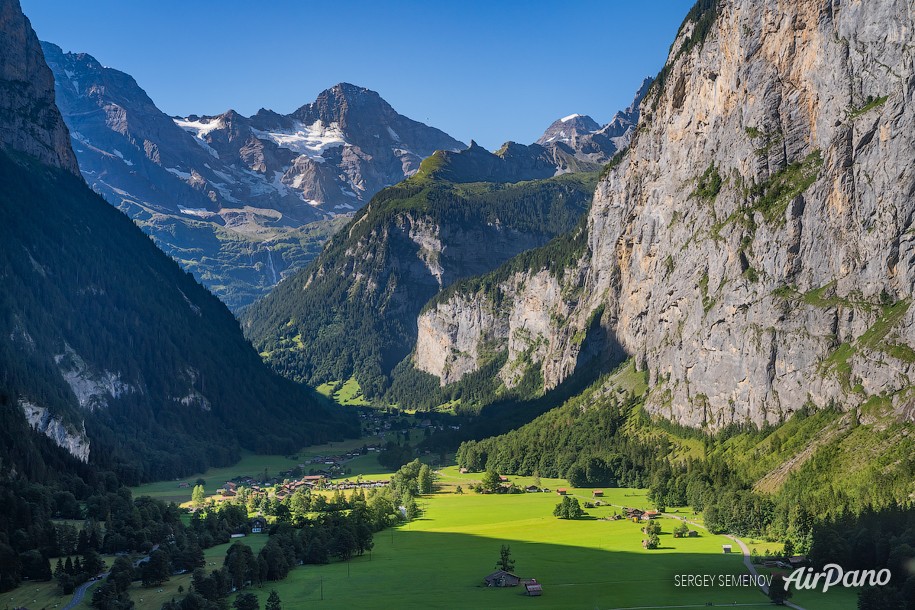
(273,602)
(505,559)
(425,479)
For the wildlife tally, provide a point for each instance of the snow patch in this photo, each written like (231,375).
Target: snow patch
(200,129)
(120,156)
(198,212)
(311,140)
(179,173)
(569,118)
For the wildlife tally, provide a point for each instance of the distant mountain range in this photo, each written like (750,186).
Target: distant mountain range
(237,201)
(242,202)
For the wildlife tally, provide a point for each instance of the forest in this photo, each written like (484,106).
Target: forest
(176,386)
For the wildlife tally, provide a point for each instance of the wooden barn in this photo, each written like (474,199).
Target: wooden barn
(501,578)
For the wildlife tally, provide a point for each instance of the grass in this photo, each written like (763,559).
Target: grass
(348,393)
(439,560)
(869,105)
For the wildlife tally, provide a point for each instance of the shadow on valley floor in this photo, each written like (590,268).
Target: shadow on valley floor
(425,569)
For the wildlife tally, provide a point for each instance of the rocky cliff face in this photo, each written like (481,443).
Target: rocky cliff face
(753,250)
(73,440)
(29,121)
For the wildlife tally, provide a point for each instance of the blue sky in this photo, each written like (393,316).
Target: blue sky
(492,71)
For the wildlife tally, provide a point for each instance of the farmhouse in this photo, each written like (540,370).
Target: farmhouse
(533,588)
(257,525)
(597,493)
(562,491)
(531,489)
(501,578)
(650,514)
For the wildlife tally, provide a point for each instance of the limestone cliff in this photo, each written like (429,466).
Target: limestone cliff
(754,249)
(29,120)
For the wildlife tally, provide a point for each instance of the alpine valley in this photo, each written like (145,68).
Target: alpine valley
(243,357)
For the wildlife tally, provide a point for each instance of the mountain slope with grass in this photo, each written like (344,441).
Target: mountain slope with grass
(353,311)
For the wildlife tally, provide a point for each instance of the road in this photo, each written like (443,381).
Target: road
(80,592)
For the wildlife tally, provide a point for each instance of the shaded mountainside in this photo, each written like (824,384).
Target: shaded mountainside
(240,202)
(752,249)
(353,311)
(107,348)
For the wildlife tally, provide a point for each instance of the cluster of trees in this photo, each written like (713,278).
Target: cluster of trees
(652,531)
(872,540)
(578,441)
(569,508)
(343,529)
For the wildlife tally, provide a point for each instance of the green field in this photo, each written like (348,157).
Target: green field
(349,394)
(441,559)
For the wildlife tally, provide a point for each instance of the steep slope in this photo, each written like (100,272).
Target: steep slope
(353,311)
(752,249)
(106,347)
(238,202)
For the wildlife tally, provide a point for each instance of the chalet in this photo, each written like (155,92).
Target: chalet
(503,478)
(562,491)
(726,548)
(501,578)
(597,493)
(650,514)
(797,561)
(258,525)
(531,489)
(231,486)
(533,589)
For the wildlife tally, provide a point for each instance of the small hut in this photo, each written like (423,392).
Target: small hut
(501,578)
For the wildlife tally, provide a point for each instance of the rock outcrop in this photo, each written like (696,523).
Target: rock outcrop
(753,250)
(29,120)
(73,440)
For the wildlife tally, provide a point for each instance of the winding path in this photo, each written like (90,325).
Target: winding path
(81,590)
